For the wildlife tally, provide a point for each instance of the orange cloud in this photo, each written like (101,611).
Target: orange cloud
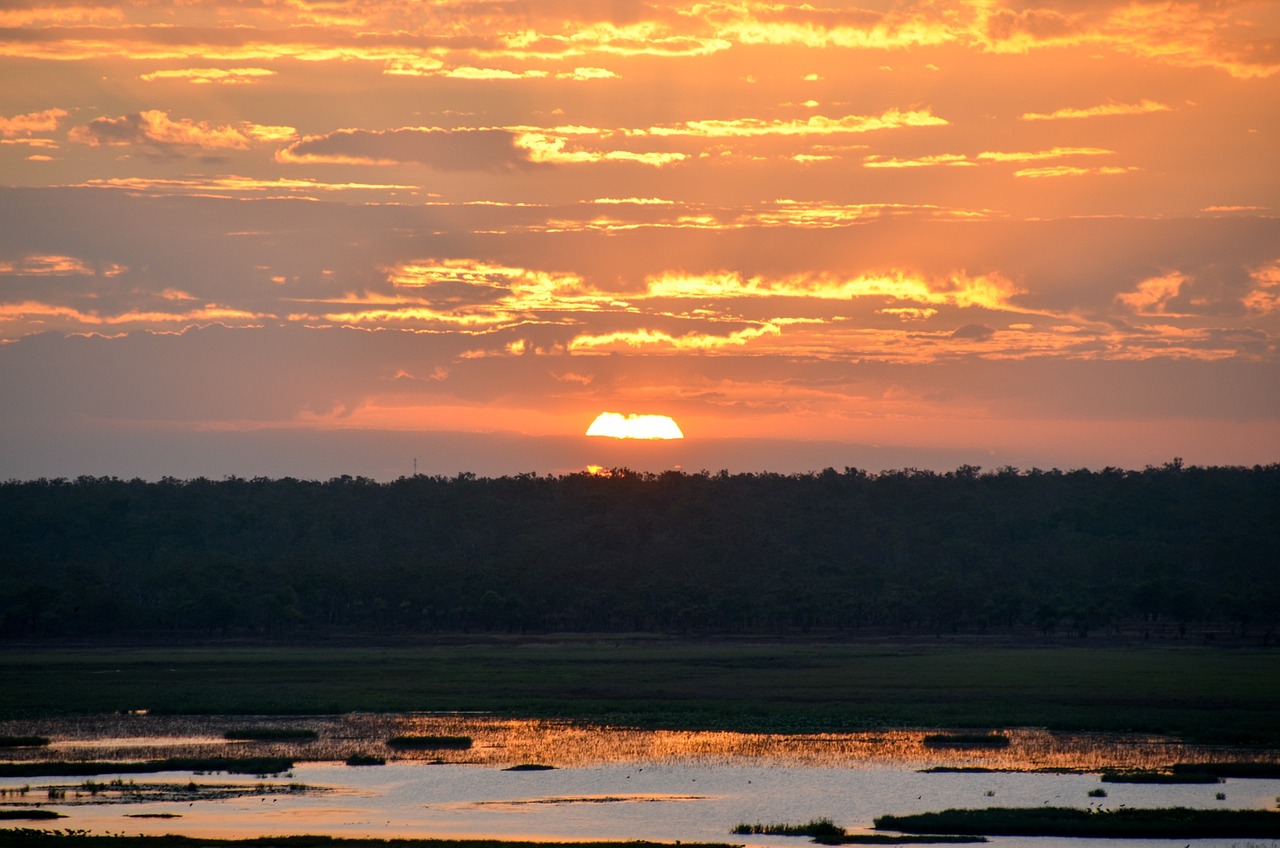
(442,149)
(154,129)
(1264,297)
(52,265)
(1153,295)
(1144,107)
(205,76)
(818,125)
(32,122)
(990,291)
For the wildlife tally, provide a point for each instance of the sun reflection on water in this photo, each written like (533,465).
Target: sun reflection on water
(501,741)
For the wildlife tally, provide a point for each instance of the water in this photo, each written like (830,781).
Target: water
(609,783)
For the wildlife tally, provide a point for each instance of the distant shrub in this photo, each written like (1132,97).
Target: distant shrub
(23,741)
(365,760)
(1098,793)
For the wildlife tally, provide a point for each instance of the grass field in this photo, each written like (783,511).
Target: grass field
(1200,693)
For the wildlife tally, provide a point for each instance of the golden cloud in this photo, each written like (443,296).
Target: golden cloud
(1152,296)
(990,291)
(154,129)
(1144,107)
(32,122)
(205,76)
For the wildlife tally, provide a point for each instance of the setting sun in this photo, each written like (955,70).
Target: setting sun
(617,426)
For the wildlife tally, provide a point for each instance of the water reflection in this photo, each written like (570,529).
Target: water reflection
(501,741)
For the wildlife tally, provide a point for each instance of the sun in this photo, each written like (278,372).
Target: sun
(618,426)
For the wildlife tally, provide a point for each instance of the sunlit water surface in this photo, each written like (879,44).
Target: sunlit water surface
(608,783)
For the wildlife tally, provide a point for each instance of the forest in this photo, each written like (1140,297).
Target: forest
(1183,552)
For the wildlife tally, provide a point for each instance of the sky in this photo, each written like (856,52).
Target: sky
(320,237)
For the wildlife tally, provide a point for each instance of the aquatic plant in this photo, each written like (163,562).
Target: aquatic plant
(427,743)
(965,740)
(1178,822)
(1153,776)
(366,760)
(1098,793)
(814,828)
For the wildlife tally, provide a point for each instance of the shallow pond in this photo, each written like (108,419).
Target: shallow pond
(609,783)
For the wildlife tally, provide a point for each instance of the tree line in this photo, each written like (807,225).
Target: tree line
(1034,552)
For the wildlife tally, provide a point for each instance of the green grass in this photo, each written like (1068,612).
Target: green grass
(1205,694)
(1174,823)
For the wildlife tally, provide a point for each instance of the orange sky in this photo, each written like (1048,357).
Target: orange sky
(307,238)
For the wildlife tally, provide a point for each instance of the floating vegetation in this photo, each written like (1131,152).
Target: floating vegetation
(814,828)
(30,815)
(430,743)
(1155,776)
(1179,823)
(1098,793)
(366,760)
(23,741)
(268,734)
(529,767)
(965,740)
(1245,769)
(231,765)
(153,815)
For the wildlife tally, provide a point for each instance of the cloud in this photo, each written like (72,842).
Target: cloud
(1144,107)
(1154,294)
(44,121)
(976,332)
(155,131)
(818,125)
(206,76)
(440,149)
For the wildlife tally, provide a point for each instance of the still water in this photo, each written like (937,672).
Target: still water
(608,783)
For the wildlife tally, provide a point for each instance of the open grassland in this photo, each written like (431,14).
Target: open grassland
(1199,693)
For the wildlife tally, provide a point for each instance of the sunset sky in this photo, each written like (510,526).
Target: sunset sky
(322,237)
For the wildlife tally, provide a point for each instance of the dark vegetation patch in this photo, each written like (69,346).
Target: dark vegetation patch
(30,814)
(1244,769)
(231,765)
(366,760)
(1158,776)
(965,740)
(1170,552)
(25,837)
(529,767)
(268,734)
(429,743)
(814,827)
(1172,823)
(23,741)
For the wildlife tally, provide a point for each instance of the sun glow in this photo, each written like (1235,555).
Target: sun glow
(617,426)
